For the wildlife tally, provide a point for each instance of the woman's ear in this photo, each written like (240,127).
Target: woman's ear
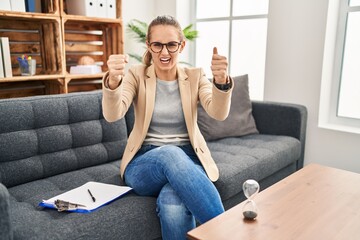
(183,43)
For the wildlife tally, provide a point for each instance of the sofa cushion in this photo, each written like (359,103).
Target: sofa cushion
(135,216)
(255,156)
(240,120)
(47,135)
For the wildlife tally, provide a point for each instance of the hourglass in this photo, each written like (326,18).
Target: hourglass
(250,188)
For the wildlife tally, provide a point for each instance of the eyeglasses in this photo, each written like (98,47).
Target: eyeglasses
(172,47)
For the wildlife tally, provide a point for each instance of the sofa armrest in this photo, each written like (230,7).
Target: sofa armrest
(5,224)
(282,119)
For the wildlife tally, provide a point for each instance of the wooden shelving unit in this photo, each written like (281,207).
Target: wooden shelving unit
(57,40)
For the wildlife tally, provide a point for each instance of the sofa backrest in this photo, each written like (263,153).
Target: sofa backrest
(47,135)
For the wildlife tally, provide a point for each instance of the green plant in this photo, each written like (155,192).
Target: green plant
(139,30)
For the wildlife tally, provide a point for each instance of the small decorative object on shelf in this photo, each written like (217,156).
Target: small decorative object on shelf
(27,65)
(86,60)
(250,188)
(86,65)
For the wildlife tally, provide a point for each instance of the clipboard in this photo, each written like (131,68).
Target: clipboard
(101,194)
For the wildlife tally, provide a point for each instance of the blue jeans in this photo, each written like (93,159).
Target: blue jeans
(184,192)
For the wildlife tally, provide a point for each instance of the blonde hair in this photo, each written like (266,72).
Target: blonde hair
(161,20)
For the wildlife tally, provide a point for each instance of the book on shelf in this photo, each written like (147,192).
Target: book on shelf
(1,64)
(82,7)
(6,57)
(33,5)
(101,9)
(111,8)
(17,5)
(92,8)
(5,5)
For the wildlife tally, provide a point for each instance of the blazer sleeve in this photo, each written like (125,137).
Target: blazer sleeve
(215,102)
(116,102)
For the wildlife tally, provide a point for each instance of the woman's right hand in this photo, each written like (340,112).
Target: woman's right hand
(116,65)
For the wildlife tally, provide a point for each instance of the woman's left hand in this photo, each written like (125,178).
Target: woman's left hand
(219,66)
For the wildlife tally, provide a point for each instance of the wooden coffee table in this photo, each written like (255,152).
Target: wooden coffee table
(316,202)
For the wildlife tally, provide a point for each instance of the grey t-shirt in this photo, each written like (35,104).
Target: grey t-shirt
(167,125)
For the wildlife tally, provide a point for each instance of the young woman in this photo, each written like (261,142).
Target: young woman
(166,156)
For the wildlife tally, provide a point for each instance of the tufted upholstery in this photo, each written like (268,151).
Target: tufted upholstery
(255,156)
(47,136)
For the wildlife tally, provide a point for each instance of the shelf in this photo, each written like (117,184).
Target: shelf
(94,39)
(26,15)
(63,13)
(50,10)
(22,89)
(40,39)
(49,77)
(57,41)
(83,85)
(90,19)
(84,76)
(31,78)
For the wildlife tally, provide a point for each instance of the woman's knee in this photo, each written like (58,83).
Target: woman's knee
(169,205)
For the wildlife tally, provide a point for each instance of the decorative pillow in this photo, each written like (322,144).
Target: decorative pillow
(240,120)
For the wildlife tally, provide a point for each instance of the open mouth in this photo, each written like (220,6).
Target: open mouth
(165,60)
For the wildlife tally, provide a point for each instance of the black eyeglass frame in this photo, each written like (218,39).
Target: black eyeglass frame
(166,45)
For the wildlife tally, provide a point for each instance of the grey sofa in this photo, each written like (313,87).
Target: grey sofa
(51,144)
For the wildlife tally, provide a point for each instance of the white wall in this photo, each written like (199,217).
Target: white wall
(293,73)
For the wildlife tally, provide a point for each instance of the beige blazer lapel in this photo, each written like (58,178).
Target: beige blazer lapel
(150,91)
(185,94)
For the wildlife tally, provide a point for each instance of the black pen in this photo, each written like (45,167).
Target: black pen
(93,198)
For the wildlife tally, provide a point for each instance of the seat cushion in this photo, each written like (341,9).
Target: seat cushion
(130,217)
(254,156)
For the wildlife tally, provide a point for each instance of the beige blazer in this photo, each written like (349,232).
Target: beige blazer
(139,86)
